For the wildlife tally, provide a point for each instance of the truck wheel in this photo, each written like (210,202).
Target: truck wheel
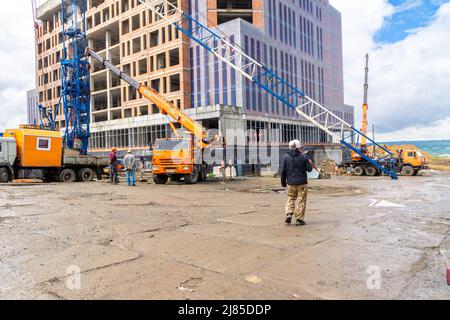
(203,174)
(67,175)
(371,171)
(160,179)
(4,175)
(193,177)
(86,175)
(408,171)
(358,171)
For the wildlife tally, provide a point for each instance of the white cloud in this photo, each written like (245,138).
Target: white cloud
(409,80)
(439,130)
(408,5)
(17,61)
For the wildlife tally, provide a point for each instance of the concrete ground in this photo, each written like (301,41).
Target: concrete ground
(366,238)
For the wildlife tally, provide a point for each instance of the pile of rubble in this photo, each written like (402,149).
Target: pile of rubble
(328,168)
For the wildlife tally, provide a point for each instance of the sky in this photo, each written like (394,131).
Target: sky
(17,61)
(409,78)
(408,43)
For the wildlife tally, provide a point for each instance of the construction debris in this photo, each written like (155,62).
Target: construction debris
(327,168)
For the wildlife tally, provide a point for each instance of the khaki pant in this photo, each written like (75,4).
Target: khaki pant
(296,204)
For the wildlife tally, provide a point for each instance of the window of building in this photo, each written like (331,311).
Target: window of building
(106,14)
(142,66)
(174,57)
(161,61)
(137,45)
(174,3)
(97,19)
(155,84)
(154,38)
(169,32)
(160,8)
(163,35)
(143,110)
(125,5)
(175,83)
(152,68)
(128,113)
(136,22)
(226,4)
(127,68)
(89,23)
(144,42)
(154,109)
(164,85)
(131,93)
(231,10)
(125,26)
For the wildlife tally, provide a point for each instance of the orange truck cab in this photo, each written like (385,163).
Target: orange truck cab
(177,159)
(411,162)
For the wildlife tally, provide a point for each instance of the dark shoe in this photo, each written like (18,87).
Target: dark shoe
(289,219)
(300,223)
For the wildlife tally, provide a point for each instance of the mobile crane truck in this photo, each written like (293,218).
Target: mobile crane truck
(409,161)
(174,158)
(32,153)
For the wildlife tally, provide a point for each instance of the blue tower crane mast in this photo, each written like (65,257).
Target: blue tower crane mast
(75,72)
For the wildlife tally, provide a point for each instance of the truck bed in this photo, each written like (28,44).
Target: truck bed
(85,161)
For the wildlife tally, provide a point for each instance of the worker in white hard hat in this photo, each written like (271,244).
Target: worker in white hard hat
(130,165)
(294,169)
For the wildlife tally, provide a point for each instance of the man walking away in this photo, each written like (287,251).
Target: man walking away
(294,169)
(113,166)
(130,165)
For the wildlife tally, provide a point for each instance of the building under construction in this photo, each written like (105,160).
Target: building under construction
(300,40)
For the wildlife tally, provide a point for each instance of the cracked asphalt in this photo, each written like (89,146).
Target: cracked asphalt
(365,238)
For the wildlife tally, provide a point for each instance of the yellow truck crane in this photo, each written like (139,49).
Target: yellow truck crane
(174,158)
(408,162)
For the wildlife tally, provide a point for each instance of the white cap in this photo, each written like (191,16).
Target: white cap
(295,144)
(292,145)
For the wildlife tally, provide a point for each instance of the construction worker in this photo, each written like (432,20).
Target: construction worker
(113,166)
(294,169)
(130,164)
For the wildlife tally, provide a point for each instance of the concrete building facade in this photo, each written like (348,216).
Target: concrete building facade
(300,39)
(32,107)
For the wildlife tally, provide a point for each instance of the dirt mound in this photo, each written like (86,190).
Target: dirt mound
(328,168)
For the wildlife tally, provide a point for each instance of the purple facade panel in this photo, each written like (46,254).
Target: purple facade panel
(303,39)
